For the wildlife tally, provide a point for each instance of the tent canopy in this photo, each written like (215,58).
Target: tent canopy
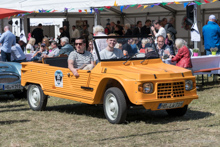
(9,12)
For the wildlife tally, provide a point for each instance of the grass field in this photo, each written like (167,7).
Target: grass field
(67,123)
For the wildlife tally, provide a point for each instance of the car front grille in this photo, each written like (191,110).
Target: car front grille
(8,78)
(170,90)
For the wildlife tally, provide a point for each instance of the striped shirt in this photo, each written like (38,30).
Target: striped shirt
(80,59)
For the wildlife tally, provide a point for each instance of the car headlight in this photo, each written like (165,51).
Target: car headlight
(188,85)
(146,88)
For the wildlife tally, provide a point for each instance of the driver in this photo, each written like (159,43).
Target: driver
(110,52)
(80,58)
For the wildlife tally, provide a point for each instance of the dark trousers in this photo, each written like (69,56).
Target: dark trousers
(5,56)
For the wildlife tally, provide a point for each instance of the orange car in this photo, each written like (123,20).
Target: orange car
(116,83)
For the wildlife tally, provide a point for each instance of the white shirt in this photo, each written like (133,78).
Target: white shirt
(75,34)
(54,52)
(17,53)
(29,46)
(162,32)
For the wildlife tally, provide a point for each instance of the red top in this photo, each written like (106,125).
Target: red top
(142,50)
(183,58)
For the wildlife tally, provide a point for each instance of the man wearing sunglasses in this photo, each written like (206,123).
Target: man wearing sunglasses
(80,58)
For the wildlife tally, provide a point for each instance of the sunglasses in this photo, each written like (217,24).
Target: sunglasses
(78,44)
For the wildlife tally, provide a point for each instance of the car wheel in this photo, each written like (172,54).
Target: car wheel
(115,106)
(37,100)
(177,111)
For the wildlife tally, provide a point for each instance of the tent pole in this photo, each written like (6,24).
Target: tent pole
(195,21)
(97,18)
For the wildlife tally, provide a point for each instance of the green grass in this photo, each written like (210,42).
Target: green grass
(68,123)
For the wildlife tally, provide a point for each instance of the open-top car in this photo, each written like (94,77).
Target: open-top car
(10,78)
(127,78)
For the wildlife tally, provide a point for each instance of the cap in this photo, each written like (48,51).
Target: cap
(212,17)
(43,44)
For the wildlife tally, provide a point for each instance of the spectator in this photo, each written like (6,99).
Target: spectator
(118,31)
(120,26)
(7,40)
(75,33)
(62,34)
(170,29)
(134,45)
(161,30)
(55,50)
(80,58)
(40,53)
(163,22)
(30,45)
(85,34)
(211,34)
(162,48)
(110,52)
(38,34)
(144,42)
(118,45)
(90,48)
(137,30)
(127,28)
(107,29)
(183,56)
(22,45)
(145,30)
(127,47)
(66,30)
(46,41)
(17,54)
(112,26)
(66,47)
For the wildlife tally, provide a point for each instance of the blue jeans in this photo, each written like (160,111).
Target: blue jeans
(5,56)
(208,52)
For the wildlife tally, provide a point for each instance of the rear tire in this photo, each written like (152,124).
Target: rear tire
(115,106)
(177,111)
(37,100)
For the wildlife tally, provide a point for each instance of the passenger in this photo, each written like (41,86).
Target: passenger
(162,48)
(80,58)
(17,54)
(66,47)
(127,47)
(110,52)
(55,50)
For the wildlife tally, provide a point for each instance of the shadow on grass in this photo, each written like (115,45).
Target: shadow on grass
(143,134)
(14,110)
(11,106)
(161,117)
(134,115)
(12,122)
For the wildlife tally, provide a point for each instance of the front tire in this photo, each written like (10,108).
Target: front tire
(177,111)
(37,100)
(115,106)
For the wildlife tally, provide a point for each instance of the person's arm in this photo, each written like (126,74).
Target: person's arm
(178,56)
(14,41)
(2,38)
(72,69)
(36,53)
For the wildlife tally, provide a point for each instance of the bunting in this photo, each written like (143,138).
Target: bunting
(121,8)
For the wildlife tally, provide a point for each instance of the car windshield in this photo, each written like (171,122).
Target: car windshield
(123,48)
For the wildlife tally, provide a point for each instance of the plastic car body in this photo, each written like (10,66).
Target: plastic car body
(117,84)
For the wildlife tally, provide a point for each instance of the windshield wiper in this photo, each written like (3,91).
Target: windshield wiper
(130,58)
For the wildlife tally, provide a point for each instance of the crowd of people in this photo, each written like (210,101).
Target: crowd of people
(81,55)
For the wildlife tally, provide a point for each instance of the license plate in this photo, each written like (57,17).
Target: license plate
(170,105)
(12,87)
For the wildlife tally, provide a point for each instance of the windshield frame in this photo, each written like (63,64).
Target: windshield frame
(122,59)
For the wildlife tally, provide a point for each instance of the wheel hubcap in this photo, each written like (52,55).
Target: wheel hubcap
(34,96)
(111,106)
